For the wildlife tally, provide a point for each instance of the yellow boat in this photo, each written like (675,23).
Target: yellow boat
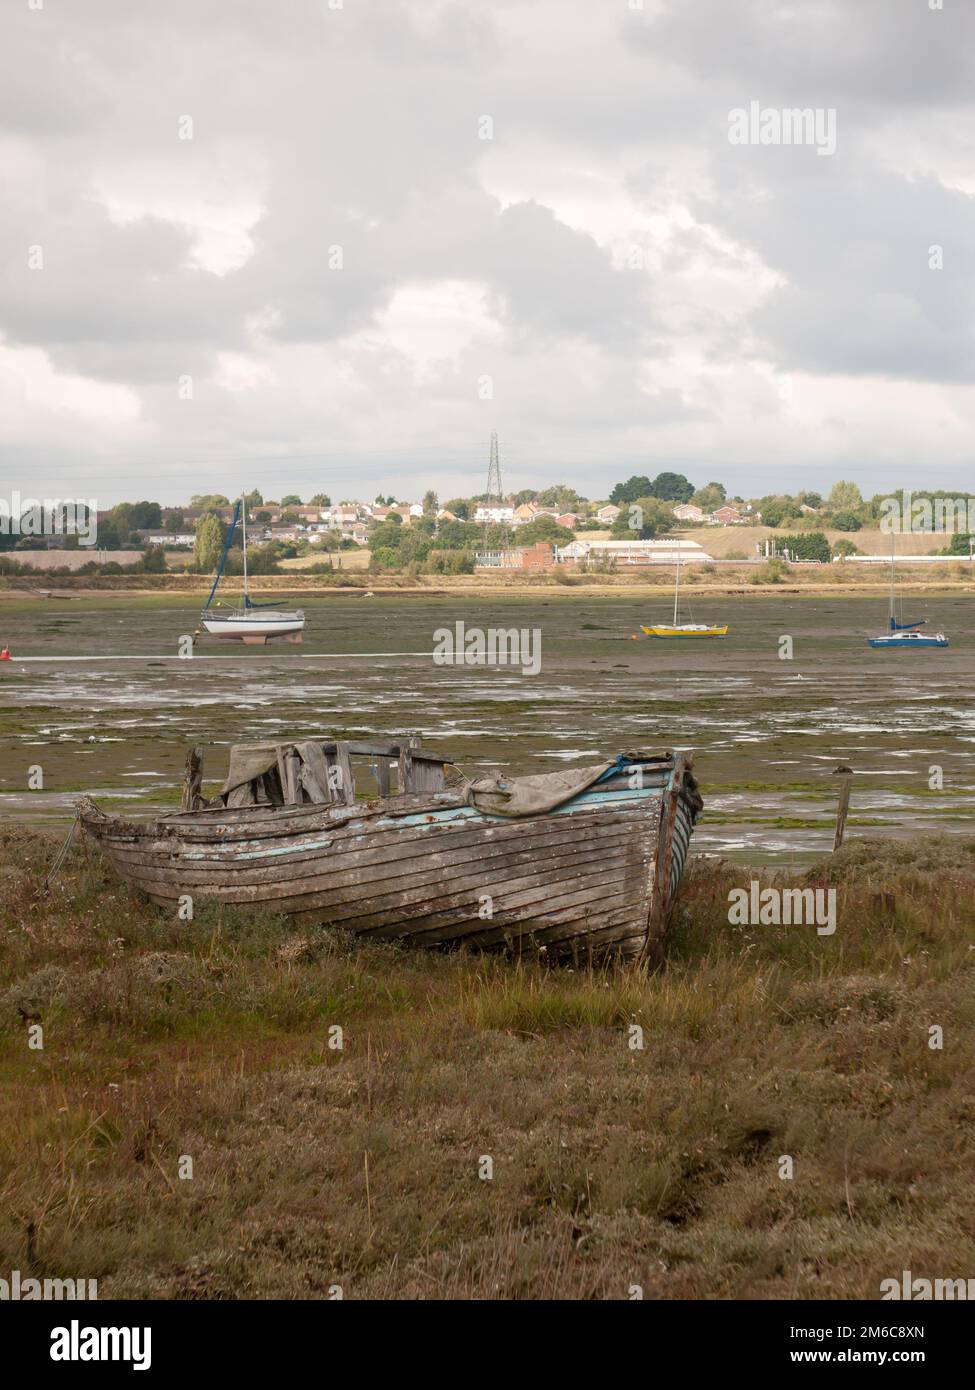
(685,630)
(679,629)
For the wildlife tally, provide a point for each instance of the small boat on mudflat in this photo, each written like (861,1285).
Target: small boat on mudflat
(901,636)
(583,863)
(254,624)
(680,629)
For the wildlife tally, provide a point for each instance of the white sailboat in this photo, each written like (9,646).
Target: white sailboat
(254,624)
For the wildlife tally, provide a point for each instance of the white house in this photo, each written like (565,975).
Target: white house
(495,514)
(608,514)
(687,512)
(168,537)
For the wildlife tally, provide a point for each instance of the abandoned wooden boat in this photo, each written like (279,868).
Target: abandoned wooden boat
(583,863)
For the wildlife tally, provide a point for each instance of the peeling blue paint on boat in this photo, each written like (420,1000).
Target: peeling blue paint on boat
(292,848)
(584,802)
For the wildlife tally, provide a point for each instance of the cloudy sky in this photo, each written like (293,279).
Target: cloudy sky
(400,224)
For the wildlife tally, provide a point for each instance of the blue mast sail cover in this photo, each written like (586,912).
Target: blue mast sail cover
(223,558)
(906,627)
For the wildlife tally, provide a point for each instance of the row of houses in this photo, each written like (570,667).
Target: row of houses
(725,515)
(352,520)
(313,532)
(505,513)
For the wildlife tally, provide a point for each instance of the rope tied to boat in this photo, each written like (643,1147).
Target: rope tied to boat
(62,853)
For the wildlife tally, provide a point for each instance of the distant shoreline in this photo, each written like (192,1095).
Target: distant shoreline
(954,577)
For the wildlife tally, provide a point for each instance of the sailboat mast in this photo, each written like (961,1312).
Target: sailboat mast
(893,620)
(243,513)
(677,585)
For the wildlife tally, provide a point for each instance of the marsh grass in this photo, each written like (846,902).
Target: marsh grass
(612,1165)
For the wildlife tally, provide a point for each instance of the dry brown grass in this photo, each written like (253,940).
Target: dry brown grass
(316,1167)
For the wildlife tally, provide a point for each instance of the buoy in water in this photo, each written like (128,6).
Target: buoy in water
(5,654)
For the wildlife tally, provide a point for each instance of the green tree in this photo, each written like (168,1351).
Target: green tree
(460,508)
(123,515)
(320,499)
(543,528)
(643,519)
(430,504)
(208,499)
(386,535)
(292,500)
(414,545)
(630,490)
(777,510)
(110,536)
(805,545)
(253,499)
(845,497)
(672,487)
(562,496)
(709,497)
(846,521)
(176,522)
(154,560)
(145,516)
(383,558)
(459,535)
(208,546)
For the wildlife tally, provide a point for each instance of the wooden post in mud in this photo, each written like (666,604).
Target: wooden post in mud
(409,743)
(192,798)
(846,775)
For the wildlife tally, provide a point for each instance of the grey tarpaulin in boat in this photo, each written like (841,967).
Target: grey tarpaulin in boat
(248,761)
(531,796)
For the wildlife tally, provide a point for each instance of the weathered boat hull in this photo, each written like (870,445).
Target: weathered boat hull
(593,877)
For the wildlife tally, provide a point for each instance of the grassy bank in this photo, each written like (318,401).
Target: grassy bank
(315,1167)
